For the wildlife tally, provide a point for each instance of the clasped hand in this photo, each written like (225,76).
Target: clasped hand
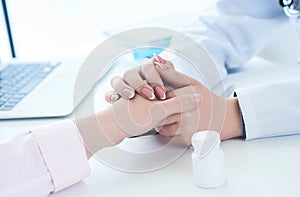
(138,95)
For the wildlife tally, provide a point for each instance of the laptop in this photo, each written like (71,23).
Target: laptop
(37,88)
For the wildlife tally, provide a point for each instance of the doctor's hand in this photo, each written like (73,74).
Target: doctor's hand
(213,112)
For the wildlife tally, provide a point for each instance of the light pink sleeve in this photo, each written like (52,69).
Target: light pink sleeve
(45,160)
(63,151)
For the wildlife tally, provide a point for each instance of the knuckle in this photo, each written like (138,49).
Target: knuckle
(149,69)
(129,73)
(115,81)
(151,74)
(141,85)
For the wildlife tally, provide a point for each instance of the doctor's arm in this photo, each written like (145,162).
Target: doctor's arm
(270,109)
(53,157)
(235,32)
(213,112)
(261,111)
(231,34)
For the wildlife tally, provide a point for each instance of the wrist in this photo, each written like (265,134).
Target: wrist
(99,131)
(109,127)
(232,127)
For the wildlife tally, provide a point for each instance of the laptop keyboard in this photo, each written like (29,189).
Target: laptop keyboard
(17,80)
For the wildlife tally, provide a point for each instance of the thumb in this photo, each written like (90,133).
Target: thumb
(176,105)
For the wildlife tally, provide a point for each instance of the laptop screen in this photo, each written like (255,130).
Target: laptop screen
(5,47)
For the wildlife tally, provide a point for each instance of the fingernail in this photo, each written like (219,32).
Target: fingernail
(148,93)
(161,60)
(160,92)
(158,58)
(196,99)
(128,93)
(114,97)
(155,57)
(161,66)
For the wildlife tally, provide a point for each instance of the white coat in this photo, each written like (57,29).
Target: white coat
(231,38)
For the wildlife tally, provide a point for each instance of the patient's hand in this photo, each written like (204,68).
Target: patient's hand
(129,118)
(139,115)
(143,80)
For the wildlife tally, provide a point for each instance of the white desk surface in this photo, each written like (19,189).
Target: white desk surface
(265,167)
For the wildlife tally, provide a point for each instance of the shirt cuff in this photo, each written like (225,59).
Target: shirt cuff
(63,151)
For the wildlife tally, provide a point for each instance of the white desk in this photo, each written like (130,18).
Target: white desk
(266,167)
(269,167)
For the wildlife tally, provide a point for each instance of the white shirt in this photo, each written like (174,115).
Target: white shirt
(44,160)
(231,37)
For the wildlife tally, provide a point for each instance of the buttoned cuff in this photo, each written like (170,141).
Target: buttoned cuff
(63,151)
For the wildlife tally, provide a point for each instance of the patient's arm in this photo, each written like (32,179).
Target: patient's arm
(130,118)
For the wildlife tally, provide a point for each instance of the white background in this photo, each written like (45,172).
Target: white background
(51,27)
(54,28)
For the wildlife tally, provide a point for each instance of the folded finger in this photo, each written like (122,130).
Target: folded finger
(153,79)
(158,59)
(122,88)
(134,79)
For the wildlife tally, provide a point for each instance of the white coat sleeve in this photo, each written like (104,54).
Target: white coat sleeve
(270,109)
(45,160)
(233,33)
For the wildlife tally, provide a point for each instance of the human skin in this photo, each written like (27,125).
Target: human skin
(127,118)
(212,113)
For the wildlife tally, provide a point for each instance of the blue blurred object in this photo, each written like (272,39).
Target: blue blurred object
(155,46)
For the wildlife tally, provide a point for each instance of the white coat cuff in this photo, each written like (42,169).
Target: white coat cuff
(63,151)
(248,113)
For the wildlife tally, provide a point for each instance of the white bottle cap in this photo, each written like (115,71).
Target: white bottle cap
(208,160)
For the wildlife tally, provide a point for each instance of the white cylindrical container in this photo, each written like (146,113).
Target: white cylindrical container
(208,160)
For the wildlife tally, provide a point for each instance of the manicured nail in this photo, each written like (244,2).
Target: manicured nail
(148,93)
(114,97)
(128,93)
(158,58)
(196,99)
(161,66)
(160,92)
(155,57)
(161,60)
